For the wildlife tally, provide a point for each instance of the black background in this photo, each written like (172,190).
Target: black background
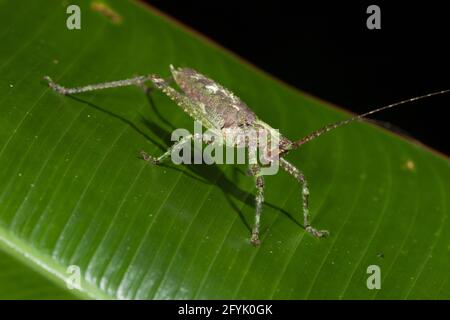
(326,49)
(282,309)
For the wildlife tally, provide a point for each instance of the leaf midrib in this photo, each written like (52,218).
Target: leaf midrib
(44,265)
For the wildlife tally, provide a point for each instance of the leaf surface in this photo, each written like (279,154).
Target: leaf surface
(73,191)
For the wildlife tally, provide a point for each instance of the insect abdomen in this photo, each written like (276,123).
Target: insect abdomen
(219,104)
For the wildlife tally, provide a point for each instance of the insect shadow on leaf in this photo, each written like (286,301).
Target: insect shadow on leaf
(210,174)
(222,112)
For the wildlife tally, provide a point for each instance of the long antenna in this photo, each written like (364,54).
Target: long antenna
(332,126)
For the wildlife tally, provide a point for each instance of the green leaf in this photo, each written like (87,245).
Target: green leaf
(73,191)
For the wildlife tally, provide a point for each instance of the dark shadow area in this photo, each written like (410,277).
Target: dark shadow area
(111,114)
(210,174)
(155,129)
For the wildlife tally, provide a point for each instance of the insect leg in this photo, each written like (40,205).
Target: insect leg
(176,146)
(300,177)
(181,100)
(139,80)
(255,170)
(158,82)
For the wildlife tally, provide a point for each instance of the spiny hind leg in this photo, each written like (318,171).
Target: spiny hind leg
(300,177)
(259,180)
(180,99)
(139,81)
